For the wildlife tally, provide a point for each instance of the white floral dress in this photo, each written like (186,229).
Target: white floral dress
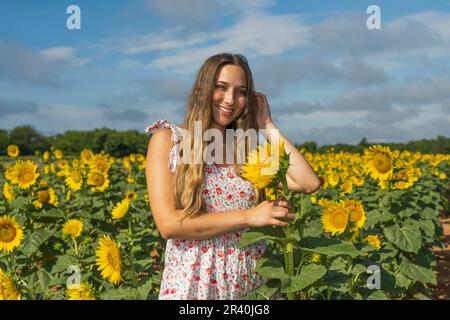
(215,268)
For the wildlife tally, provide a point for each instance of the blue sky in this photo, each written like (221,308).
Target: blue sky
(327,77)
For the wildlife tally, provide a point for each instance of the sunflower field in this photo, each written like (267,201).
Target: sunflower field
(81,228)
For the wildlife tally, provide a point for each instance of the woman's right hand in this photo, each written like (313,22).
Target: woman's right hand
(268,213)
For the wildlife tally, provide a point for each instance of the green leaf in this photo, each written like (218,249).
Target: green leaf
(337,280)
(19,203)
(429,213)
(254,235)
(406,238)
(313,229)
(358,268)
(377,295)
(375,217)
(408,212)
(402,281)
(270,269)
(62,263)
(264,292)
(308,275)
(328,247)
(35,240)
(416,272)
(121,294)
(44,279)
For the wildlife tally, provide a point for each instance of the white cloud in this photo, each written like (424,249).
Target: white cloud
(254,35)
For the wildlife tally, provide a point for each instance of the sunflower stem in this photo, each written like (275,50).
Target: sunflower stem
(75,247)
(289,254)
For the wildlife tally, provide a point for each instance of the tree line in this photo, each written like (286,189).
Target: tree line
(120,143)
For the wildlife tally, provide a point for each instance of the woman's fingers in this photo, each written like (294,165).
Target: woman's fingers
(283,214)
(282,203)
(279,223)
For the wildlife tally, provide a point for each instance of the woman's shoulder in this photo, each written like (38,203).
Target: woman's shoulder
(163,124)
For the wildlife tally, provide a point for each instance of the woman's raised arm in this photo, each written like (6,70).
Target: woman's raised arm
(207,225)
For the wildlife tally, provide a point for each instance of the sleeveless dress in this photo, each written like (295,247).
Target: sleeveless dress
(215,268)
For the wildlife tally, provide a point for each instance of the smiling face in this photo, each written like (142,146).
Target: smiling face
(229,96)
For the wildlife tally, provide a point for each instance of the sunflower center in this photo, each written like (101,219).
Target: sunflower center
(26,176)
(339,219)
(7,233)
(355,215)
(382,162)
(113,259)
(73,229)
(43,196)
(98,180)
(76,176)
(101,165)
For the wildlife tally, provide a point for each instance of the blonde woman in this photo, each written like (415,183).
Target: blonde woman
(202,209)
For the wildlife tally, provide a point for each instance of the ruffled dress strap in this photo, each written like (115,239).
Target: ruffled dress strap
(176,138)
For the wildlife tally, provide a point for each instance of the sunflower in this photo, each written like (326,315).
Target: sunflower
(46,155)
(98,179)
(323,202)
(109,260)
(73,228)
(100,162)
(86,156)
(140,157)
(333,179)
(63,164)
(346,186)
(8,290)
(24,174)
(74,179)
(374,241)
(58,154)
(127,163)
(131,196)
(260,169)
(13,151)
(82,292)
(356,213)
(8,192)
(442,176)
(269,193)
(9,172)
(10,234)
(379,162)
(334,218)
(46,196)
(121,209)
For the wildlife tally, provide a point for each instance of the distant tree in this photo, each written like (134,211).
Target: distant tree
(28,139)
(3,141)
(310,146)
(123,143)
(363,142)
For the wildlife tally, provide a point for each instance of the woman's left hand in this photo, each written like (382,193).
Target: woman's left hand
(263,116)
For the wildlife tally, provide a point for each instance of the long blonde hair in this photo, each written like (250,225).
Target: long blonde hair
(189,178)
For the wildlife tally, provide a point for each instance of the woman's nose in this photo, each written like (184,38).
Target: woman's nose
(229,97)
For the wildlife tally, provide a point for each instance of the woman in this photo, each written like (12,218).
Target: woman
(202,209)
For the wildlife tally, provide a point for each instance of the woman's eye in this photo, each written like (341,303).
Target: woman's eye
(220,87)
(244,93)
